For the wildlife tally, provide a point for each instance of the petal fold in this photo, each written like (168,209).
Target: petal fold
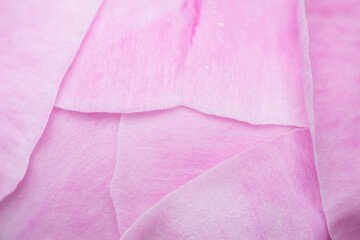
(269,192)
(162,150)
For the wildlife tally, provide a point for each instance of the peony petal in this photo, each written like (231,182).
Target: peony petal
(270,192)
(334,28)
(38,41)
(66,191)
(237,59)
(160,151)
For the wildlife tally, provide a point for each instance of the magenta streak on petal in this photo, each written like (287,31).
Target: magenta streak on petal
(268,192)
(162,150)
(197,9)
(65,193)
(237,59)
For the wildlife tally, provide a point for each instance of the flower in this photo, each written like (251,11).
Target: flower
(184,119)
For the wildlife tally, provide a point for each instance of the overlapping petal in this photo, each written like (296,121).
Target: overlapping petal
(38,41)
(334,28)
(65,193)
(225,60)
(237,59)
(269,192)
(160,151)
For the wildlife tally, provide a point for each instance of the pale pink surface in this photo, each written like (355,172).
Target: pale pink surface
(65,193)
(238,59)
(269,192)
(38,41)
(334,28)
(162,150)
(245,60)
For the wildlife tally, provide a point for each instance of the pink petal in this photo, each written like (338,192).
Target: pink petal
(66,191)
(160,151)
(238,59)
(38,41)
(270,192)
(334,28)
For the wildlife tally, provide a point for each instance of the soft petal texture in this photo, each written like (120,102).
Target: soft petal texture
(269,192)
(306,73)
(334,28)
(238,59)
(65,193)
(162,150)
(38,41)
